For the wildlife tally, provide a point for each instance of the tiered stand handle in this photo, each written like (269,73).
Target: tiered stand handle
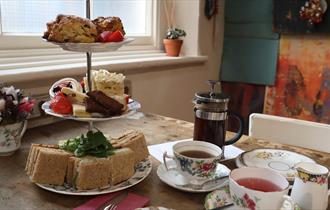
(89,60)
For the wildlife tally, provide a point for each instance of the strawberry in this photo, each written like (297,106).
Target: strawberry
(116,36)
(104,36)
(60,104)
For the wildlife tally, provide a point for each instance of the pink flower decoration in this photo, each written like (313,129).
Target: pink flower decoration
(26,106)
(207,166)
(320,180)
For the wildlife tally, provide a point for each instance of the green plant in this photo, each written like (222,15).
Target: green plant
(175,33)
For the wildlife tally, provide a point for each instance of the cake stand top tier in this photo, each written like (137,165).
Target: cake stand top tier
(92,47)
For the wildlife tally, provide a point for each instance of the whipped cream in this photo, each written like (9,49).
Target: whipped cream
(103,76)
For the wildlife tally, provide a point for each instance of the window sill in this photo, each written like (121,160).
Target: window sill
(35,67)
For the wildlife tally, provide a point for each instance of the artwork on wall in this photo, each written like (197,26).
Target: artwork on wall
(244,99)
(301,16)
(302,86)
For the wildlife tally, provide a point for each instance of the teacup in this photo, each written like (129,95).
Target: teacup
(195,160)
(258,188)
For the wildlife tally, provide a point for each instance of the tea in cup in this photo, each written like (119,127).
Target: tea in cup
(195,160)
(258,188)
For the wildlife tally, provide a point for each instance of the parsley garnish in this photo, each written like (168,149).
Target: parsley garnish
(94,144)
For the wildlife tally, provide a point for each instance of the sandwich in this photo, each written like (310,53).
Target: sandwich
(121,165)
(136,142)
(47,165)
(89,172)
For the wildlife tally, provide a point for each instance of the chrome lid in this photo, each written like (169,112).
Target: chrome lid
(212,101)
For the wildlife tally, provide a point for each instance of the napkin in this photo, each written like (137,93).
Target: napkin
(130,202)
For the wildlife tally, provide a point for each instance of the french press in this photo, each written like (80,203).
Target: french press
(211,114)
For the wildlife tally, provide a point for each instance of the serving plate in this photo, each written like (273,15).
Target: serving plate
(281,161)
(132,107)
(142,170)
(91,47)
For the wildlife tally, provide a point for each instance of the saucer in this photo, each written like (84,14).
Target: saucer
(281,161)
(174,179)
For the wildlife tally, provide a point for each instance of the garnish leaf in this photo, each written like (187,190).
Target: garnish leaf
(94,143)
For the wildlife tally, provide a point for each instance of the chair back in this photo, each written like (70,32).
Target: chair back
(290,131)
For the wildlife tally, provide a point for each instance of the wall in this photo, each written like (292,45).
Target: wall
(170,91)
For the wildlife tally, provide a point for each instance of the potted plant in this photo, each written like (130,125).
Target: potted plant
(14,110)
(172,42)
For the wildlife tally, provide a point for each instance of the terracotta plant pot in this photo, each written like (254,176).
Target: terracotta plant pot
(172,46)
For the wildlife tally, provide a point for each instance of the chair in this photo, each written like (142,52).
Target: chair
(295,132)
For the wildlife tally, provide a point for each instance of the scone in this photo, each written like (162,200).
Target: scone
(70,28)
(109,24)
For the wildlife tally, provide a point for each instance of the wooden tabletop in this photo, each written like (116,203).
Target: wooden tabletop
(17,192)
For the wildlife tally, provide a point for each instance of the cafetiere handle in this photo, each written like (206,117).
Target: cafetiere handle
(240,130)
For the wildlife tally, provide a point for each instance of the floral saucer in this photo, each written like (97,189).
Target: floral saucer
(281,161)
(221,199)
(174,179)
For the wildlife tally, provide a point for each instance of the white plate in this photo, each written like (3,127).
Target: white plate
(92,47)
(142,170)
(133,106)
(281,161)
(174,179)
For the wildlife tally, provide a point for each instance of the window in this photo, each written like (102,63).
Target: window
(27,18)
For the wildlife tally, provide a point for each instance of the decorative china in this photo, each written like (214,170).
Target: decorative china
(92,47)
(176,180)
(196,168)
(281,161)
(10,137)
(310,188)
(245,198)
(219,198)
(142,170)
(132,107)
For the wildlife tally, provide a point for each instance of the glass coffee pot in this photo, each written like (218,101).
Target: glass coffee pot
(211,116)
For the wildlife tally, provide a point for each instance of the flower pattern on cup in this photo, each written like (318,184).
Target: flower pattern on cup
(319,179)
(200,168)
(246,201)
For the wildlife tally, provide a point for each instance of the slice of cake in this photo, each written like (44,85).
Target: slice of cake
(136,142)
(109,83)
(80,111)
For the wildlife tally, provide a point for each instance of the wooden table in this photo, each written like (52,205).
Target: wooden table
(17,192)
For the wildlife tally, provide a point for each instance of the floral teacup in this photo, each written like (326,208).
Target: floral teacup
(10,137)
(267,189)
(193,166)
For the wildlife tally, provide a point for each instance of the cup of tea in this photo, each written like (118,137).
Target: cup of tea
(258,188)
(195,160)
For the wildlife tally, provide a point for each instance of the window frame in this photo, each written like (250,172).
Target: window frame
(22,41)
